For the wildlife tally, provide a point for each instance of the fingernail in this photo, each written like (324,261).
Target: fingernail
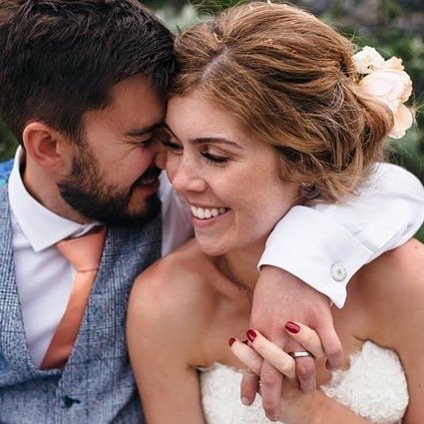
(245,401)
(251,335)
(292,327)
(231,341)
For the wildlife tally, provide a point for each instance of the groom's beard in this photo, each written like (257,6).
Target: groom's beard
(89,194)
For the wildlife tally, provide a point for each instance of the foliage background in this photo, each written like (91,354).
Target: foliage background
(393,27)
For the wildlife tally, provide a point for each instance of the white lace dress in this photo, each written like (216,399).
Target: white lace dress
(374,387)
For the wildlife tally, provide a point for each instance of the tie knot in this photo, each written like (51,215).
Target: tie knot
(84,252)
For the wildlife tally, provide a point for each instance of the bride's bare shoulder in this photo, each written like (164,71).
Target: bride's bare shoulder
(182,266)
(399,269)
(393,285)
(176,285)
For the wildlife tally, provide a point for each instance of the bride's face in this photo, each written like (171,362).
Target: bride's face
(229,179)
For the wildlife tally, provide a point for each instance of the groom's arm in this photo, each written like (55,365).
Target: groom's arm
(324,246)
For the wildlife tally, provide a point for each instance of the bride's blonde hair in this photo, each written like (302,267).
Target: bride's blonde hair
(290,80)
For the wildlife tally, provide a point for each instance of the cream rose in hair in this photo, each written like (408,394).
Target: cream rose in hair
(386,81)
(369,60)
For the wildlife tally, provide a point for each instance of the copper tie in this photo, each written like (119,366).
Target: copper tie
(84,255)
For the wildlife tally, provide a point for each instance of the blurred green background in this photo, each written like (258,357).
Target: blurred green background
(393,27)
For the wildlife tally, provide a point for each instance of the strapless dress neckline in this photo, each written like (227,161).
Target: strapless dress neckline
(374,387)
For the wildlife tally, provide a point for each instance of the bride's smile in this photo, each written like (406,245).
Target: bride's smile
(225,174)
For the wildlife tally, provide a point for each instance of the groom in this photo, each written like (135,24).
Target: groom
(83,88)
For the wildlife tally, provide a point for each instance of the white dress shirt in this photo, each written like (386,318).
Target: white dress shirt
(324,245)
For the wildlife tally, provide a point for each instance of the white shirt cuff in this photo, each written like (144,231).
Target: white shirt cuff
(327,262)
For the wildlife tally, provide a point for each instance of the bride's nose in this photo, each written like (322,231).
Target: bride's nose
(185,174)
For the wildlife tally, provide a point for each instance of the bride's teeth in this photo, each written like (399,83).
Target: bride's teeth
(203,213)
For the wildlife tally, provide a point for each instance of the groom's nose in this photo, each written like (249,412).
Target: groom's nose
(160,156)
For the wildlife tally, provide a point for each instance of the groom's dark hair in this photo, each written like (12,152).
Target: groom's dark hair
(60,58)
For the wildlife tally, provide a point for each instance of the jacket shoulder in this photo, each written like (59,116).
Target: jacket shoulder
(5,170)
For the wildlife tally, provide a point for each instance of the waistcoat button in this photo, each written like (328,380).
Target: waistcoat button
(68,401)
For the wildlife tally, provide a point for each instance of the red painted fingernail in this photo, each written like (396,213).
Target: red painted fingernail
(251,335)
(292,327)
(231,341)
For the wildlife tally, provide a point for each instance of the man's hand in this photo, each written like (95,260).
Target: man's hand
(295,406)
(280,297)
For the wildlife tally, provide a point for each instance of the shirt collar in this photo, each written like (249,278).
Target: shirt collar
(42,227)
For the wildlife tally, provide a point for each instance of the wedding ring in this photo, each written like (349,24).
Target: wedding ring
(300,354)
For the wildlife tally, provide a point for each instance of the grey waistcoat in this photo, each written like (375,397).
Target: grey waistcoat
(97,385)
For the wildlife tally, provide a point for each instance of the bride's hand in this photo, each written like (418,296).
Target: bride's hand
(296,407)
(306,337)
(259,348)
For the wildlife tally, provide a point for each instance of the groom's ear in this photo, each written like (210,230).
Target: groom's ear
(44,145)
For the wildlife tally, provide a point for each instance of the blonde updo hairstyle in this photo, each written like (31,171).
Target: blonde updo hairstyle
(290,80)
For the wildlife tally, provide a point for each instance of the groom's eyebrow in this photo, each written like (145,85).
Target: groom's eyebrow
(206,140)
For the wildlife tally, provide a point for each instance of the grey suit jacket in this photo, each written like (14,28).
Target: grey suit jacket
(97,385)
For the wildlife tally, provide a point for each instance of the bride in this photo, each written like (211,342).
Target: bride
(268,111)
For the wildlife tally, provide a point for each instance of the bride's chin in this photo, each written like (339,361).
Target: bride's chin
(210,249)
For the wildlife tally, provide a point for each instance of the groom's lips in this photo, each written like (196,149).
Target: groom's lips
(151,173)
(149,181)
(149,177)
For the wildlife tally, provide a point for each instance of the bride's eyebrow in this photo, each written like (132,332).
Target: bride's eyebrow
(205,140)
(218,140)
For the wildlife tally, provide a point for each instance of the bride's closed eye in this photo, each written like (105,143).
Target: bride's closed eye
(213,158)
(175,147)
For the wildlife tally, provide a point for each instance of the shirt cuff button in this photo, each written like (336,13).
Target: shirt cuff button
(338,272)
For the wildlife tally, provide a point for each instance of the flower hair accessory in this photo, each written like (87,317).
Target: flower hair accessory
(386,81)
